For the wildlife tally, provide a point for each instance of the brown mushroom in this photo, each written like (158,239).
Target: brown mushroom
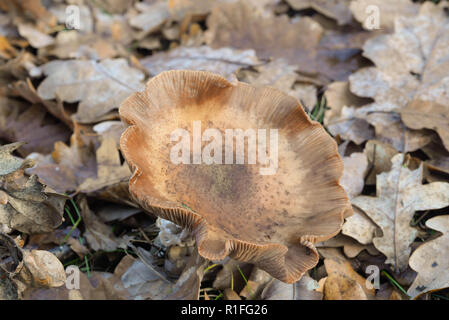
(233,210)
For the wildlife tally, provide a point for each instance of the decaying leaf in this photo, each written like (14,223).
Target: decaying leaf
(22,122)
(360,227)
(366,11)
(109,169)
(28,206)
(355,167)
(240,26)
(225,61)
(335,9)
(379,156)
(399,193)
(281,75)
(341,118)
(343,283)
(431,261)
(99,236)
(99,86)
(411,65)
(42,269)
(304,289)
(68,166)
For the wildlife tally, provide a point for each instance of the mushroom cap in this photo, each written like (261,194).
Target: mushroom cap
(273,220)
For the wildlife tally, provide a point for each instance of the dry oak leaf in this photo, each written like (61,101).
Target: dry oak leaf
(303,43)
(224,61)
(412,64)
(281,75)
(234,212)
(343,283)
(67,166)
(399,194)
(355,167)
(28,205)
(304,289)
(335,9)
(241,26)
(360,227)
(31,124)
(109,169)
(99,86)
(430,115)
(379,156)
(340,118)
(431,260)
(365,11)
(42,269)
(99,235)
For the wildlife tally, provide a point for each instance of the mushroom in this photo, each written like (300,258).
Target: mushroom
(235,209)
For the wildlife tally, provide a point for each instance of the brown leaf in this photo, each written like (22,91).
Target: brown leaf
(281,75)
(42,269)
(388,11)
(304,289)
(360,227)
(431,261)
(335,9)
(355,167)
(399,194)
(408,69)
(109,169)
(343,283)
(99,236)
(224,61)
(379,156)
(30,124)
(99,86)
(340,119)
(241,26)
(31,207)
(430,115)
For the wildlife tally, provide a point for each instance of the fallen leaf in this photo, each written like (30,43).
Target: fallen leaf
(31,124)
(355,167)
(36,38)
(281,75)
(99,86)
(335,9)
(110,171)
(304,289)
(360,227)
(343,283)
(431,261)
(430,115)
(399,193)
(340,119)
(31,207)
(98,235)
(365,10)
(411,65)
(42,269)
(240,26)
(225,61)
(379,156)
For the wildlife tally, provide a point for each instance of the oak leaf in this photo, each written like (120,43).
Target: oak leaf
(399,194)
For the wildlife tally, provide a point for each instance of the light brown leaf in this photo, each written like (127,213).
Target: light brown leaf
(388,11)
(224,61)
(30,207)
(343,283)
(431,260)
(99,86)
(340,119)
(335,9)
(399,193)
(355,167)
(411,65)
